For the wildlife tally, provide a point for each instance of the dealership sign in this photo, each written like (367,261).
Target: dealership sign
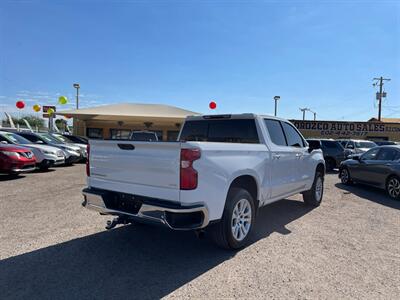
(345,129)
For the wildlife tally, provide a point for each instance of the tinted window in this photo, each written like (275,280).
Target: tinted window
(332,145)
(370,154)
(225,131)
(94,133)
(293,137)
(120,134)
(143,136)
(275,132)
(387,154)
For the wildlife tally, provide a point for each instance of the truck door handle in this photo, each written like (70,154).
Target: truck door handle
(276,156)
(126,146)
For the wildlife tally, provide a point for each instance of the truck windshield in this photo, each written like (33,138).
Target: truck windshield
(223,131)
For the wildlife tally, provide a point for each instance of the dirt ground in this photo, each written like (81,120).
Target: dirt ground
(52,248)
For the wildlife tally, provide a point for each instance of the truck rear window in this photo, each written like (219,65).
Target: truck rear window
(224,131)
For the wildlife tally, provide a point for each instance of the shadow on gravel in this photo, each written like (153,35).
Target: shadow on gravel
(11,177)
(370,193)
(131,262)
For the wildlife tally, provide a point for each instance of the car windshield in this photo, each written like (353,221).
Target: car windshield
(48,138)
(16,139)
(367,145)
(61,138)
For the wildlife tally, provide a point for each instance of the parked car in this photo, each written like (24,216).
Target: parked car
(15,159)
(359,146)
(72,153)
(333,152)
(384,143)
(68,141)
(145,136)
(76,138)
(46,156)
(223,169)
(379,167)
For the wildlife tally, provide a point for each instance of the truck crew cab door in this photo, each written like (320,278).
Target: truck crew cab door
(303,172)
(284,178)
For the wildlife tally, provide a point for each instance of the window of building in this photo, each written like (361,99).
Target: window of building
(94,133)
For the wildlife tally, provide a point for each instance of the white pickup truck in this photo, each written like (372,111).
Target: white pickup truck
(217,175)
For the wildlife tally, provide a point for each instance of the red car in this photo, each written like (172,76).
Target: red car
(16,159)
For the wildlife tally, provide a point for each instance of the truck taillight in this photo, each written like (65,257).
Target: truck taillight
(87,160)
(188,173)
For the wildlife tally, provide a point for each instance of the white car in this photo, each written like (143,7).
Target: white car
(46,156)
(67,141)
(222,169)
(359,146)
(72,153)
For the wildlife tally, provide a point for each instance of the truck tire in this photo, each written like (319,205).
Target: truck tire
(313,196)
(234,229)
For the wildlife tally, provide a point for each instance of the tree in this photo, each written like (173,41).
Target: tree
(32,120)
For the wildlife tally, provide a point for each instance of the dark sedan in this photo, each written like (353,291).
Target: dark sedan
(379,167)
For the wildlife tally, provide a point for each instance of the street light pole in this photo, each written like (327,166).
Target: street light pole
(77,86)
(276,98)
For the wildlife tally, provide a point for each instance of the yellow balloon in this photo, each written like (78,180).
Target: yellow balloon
(62,100)
(50,111)
(36,107)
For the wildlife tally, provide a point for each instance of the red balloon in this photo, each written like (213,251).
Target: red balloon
(20,104)
(213,105)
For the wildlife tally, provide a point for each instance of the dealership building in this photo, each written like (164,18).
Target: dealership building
(118,120)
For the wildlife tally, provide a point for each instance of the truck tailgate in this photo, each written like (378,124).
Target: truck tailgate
(148,169)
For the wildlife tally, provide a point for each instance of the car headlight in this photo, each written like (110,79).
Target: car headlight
(46,152)
(11,154)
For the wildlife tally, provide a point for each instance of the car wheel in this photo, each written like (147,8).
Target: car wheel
(345,176)
(233,230)
(313,196)
(393,187)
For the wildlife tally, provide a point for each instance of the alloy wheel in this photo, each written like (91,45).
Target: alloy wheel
(241,219)
(393,187)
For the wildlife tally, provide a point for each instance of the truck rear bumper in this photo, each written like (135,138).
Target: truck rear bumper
(167,213)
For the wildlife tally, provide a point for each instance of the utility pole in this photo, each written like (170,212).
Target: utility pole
(304,112)
(380,95)
(276,98)
(315,115)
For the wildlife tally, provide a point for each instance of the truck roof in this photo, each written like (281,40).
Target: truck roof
(232,116)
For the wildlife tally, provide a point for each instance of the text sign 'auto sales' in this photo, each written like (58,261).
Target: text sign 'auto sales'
(336,129)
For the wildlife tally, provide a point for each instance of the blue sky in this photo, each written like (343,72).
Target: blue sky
(317,54)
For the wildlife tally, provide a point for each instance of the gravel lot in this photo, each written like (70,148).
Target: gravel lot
(52,248)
